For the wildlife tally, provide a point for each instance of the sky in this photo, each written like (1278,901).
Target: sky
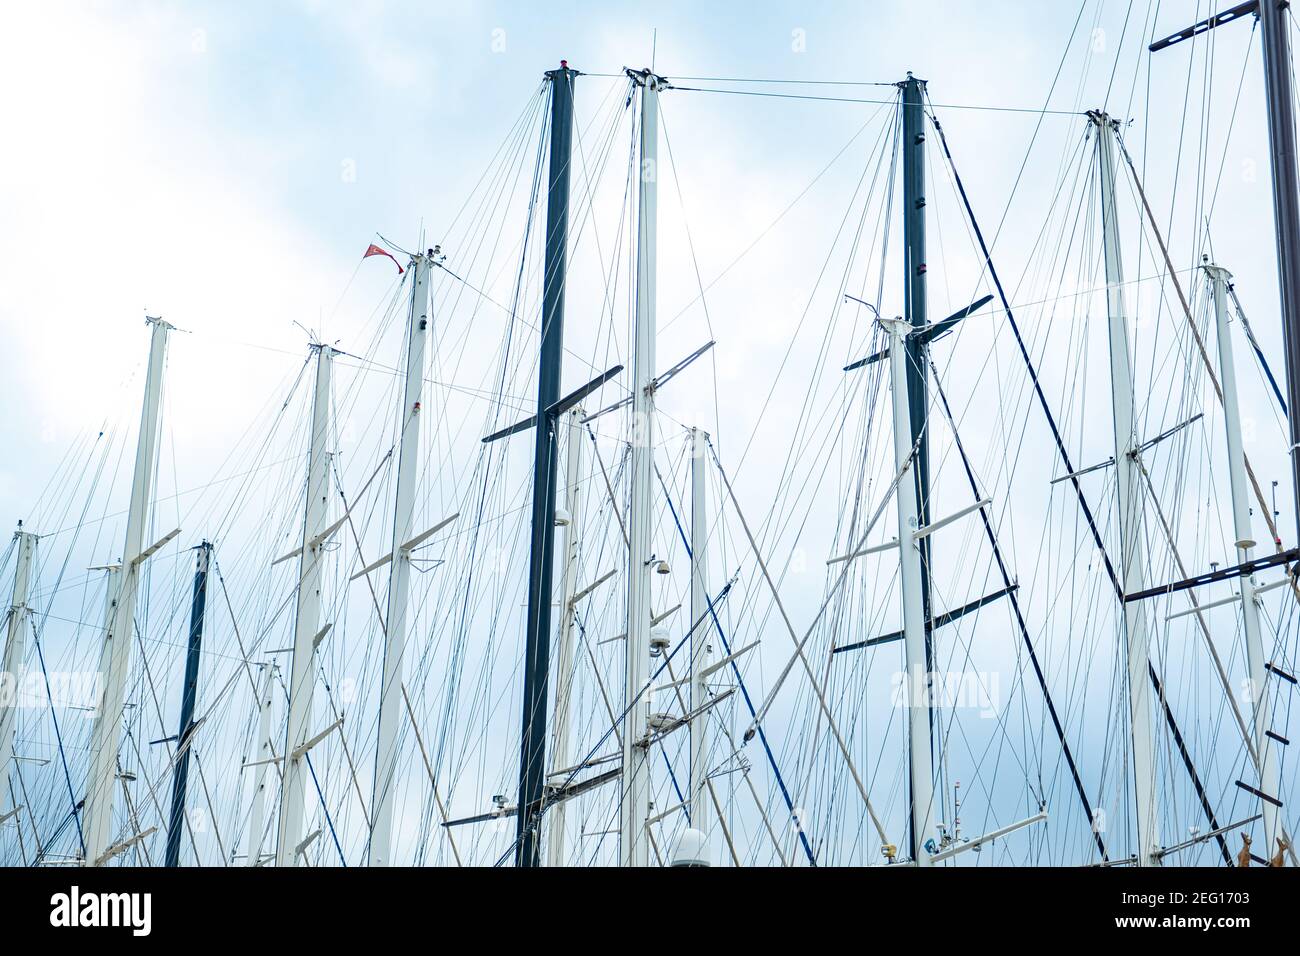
(225,165)
(250,153)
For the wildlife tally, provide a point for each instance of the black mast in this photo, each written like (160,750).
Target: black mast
(537,648)
(915,305)
(914,289)
(188,694)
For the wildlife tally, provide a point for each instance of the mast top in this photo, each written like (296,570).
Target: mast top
(1214,270)
(647,75)
(315,346)
(1101,118)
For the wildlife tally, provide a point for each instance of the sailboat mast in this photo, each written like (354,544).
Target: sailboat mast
(1245,545)
(302,679)
(399,580)
(189,693)
(917,679)
(537,641)
(15,650)
(916,314)
(635,807)
(262,758)
(115,658)
(561,746)
(1132,555)
(701,636)
(914,292)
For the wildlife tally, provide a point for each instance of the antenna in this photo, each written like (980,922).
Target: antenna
(311,336)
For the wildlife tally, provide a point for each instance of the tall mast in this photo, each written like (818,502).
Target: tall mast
(635,806)
(399,580)
(262,760)
(914,292)
(115,657)
(1274,33)
(189,691)
(916,686)
(1132,555)
(537,641)
(916,313)
(15,651)
(302,668)
(561,747)
(1245,545)
(701,636)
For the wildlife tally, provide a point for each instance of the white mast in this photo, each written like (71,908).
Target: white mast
(262,758)
(701,637)
(390,694)
(302,678)
(1132,558)
(916,683)
(15,650)
(1245,545)
(115,657)
(560,744)
(635,807)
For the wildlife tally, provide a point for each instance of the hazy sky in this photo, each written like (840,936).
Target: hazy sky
(225,165)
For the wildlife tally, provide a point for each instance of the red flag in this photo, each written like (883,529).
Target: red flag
(374,250)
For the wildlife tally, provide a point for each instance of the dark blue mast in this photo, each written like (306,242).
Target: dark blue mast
(188,694)
(914,304)
(537,647)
